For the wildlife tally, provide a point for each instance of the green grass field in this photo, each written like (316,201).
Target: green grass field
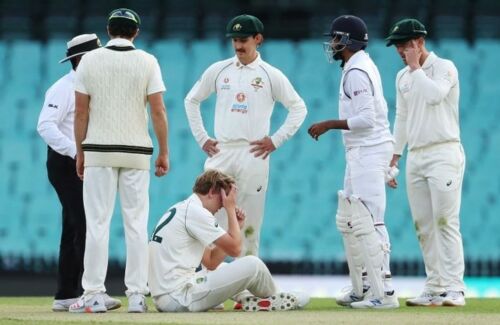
(36,310)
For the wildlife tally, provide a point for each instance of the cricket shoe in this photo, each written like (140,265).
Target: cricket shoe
(63,304)
(137,303)
(426,299)
(89,304)
(389,301)
(278,302)
(454,299)
(347,296)
(111,303)
(219,307)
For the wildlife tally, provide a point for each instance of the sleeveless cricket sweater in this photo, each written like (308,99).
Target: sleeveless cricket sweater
(116,79)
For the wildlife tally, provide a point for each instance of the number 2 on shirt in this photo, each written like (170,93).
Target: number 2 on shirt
(157,238)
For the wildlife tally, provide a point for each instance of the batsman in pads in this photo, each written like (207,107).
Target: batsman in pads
(189,234)
(368,148)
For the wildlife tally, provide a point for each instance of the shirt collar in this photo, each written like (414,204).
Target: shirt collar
(195,199)
(120,42)
(253,65)
(359,55)
(429,60)
(71,74)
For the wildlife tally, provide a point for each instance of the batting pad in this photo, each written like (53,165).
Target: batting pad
(351,245)
(371,246)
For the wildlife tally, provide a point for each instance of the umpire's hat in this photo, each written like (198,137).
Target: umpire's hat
(405,30)
(244,26)
(80,45)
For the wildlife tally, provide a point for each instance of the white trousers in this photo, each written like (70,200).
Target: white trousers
(100,185)
(251,175)
(434,184)
(213,288)
(365,178)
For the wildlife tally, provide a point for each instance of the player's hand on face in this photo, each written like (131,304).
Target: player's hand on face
(210,147)
(262,147)
(162,165)
(412,55)
(240,216)
(79,165)
(229,199)
(316,130)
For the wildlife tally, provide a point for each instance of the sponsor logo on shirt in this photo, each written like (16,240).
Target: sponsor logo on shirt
(240,97)
(226,85)
(53,106)
(240,106)
(257,83)
(362,91)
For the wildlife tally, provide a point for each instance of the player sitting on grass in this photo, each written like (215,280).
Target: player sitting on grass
(188,234)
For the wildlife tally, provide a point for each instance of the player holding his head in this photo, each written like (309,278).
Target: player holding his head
(247,88)
(369,146)
(427,120)
(188,234)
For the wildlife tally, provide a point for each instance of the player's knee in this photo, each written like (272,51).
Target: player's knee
(253,264)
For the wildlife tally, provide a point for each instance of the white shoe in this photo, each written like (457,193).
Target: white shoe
(347,296)
(137,303)
(63,304)
(89,304)
(390,300)
(426,298)
(278,302)
(454,299)
(219,307)
(111,303)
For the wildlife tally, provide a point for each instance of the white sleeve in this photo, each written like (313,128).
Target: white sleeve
(55,108)
(284,92)
(155,84)
(400,132)
(436,89)
(203,226)
(200,91)
(359,88)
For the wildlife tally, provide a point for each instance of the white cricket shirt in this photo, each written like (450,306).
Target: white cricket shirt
(362,103)
(245,101)
(178,243)
(427,105)
(56,120)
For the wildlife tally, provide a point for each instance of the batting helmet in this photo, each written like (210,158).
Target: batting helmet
(346,31)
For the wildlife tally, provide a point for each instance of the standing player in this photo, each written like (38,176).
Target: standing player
(182,240)
(113,86)
(246,88)
(369,146)
(55,126)
(427,120)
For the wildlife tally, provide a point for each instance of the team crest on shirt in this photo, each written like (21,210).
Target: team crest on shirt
(257,83)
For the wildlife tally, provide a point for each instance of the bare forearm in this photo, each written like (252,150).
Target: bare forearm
(160,125)
(233,226)
(336,125)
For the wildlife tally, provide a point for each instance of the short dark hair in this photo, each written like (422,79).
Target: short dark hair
(120,27)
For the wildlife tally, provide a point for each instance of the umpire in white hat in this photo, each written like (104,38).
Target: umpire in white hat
(55,126)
